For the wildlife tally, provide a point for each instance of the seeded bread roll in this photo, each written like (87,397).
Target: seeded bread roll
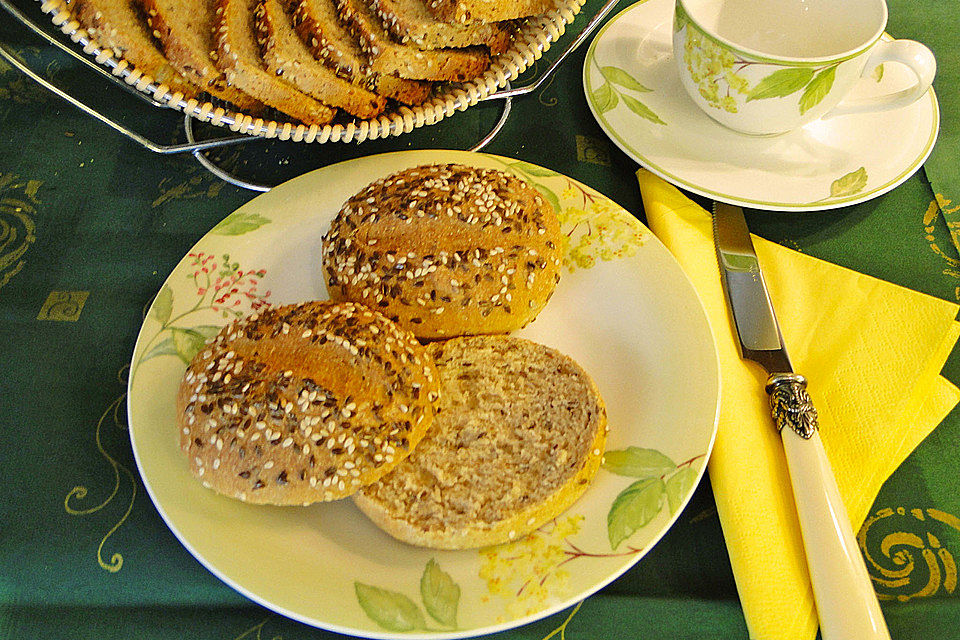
(446,250)
(304,403)
(519,435)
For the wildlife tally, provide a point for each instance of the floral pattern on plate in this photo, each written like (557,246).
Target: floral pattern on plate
(622,304)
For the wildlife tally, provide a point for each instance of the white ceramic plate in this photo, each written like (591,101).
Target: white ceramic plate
(634,92)
(623,309)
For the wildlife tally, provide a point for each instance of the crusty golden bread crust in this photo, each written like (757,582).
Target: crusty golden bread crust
(446,250)
(304,403)
(288,57)
(184,29)
(238,56)
(519,435)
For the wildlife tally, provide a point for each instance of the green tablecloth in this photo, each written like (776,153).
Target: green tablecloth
(91,224)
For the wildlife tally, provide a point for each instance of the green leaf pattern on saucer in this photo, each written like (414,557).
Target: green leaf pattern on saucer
(616,84)
(849,184)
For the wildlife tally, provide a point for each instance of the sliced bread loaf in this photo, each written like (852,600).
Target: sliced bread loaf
(319,26)
(519,435)
(488,10)
(184,29)
(388,56)
(119,26)
(411,22)
(238,56)
(288,57)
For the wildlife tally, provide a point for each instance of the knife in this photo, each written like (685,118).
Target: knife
(846,602)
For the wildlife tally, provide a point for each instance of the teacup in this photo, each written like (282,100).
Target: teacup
(766,67)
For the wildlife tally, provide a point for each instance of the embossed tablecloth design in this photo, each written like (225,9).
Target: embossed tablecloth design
(90,226)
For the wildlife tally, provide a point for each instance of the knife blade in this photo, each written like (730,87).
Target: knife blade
(846,602)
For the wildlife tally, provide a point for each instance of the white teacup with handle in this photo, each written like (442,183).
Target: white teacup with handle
(765,67)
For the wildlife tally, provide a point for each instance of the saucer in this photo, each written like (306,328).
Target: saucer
(634,91)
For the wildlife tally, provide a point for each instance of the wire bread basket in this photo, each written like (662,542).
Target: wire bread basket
(533,39)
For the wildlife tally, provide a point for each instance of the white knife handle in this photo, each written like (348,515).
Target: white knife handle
(846,601)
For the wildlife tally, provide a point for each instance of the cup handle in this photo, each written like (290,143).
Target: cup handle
(914,55)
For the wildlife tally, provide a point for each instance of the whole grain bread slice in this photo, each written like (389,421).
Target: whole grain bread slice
(465,11)
(238,56)
(318,24)
(518,436)
(410,21)
(388,56)
(119,26)
(184,29)
(288,57)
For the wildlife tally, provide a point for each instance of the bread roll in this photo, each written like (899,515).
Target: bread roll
(519,434)
(446,250)
(304,403)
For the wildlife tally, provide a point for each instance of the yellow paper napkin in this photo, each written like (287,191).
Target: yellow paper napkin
(872,352)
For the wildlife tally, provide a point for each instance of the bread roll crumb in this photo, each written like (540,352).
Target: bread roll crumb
(519,435)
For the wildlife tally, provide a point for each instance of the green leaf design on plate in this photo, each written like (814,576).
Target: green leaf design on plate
(641,109)
(634,508)
(440,594)
(678,485)
(878,72)
(637,462)
(389,609)
(532,169)
(605,98)
(189,342)
(163,305)
(166,347)
(818,89)
(550,196)
(239,223)
(849,184)
(781,83)
(616,75)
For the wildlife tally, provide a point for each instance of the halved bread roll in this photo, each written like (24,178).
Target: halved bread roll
(304,403)
(518,437)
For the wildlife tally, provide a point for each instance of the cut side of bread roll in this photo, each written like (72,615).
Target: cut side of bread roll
(304,403)
(184,29)
(411,22)
(288,57)
(119,26)
(446,250)
(238,56)
(388,56)
(319,26)
(519,436)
